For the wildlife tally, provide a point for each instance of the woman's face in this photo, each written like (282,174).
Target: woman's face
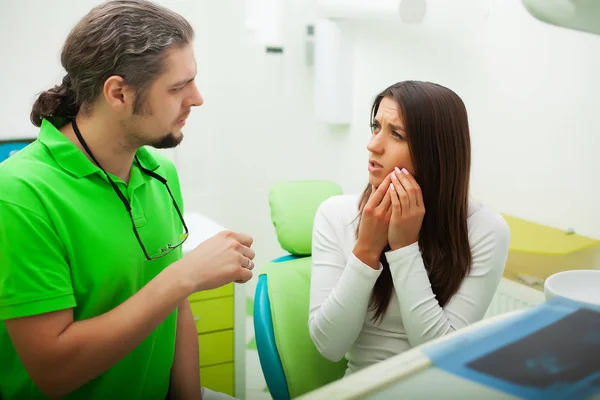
(388,146)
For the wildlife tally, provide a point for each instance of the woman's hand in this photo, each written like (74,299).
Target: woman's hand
(374,222)
(408,210)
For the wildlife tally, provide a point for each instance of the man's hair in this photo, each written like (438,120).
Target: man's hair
(127,38)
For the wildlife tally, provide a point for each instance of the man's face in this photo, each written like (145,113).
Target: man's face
(167,103)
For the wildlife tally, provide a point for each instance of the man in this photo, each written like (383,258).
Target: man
(93,285)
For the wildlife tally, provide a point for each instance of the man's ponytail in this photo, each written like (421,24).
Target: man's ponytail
(56,103)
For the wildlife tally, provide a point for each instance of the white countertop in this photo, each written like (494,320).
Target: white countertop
(411,375)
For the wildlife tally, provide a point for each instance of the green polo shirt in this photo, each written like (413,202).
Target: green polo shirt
(66,241)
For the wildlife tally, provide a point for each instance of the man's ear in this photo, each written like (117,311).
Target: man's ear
(118,95)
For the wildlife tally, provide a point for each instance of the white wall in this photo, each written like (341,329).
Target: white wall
(530,88)
(30,54)
(531,92)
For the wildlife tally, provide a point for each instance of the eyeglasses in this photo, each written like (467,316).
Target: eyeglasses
(171,245)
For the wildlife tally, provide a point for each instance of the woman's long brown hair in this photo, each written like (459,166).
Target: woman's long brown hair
(435,121)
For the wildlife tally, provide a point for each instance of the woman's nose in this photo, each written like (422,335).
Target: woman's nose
(375,145)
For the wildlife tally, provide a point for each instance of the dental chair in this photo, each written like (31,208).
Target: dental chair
(289,360)
(10,147)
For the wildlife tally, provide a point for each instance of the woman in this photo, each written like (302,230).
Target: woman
(411,259)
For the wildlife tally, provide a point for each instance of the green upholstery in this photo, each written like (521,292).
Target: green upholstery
(304,367)
(291,364)
(293,208)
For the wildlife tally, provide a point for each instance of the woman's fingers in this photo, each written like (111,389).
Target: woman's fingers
(379,194)
(402,194)
(412,187)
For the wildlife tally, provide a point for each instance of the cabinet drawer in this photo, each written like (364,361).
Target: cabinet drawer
(218,378)
(223,291)
(213,315)
(216,348)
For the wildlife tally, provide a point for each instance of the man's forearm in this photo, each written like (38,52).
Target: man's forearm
(185,373)
(109,337)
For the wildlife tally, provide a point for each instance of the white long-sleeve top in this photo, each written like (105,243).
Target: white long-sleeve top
(340,322)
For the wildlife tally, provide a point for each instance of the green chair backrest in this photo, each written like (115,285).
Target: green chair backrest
(293,208)
(304,367)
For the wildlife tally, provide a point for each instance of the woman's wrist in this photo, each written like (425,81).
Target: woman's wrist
(366,255)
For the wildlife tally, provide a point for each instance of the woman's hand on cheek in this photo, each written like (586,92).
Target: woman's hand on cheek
(408,210)
(374,222)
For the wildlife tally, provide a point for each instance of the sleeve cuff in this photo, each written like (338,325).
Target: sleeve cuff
(38,306)
(403,252)
(363,269)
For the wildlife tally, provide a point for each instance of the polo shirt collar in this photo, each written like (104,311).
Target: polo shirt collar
(73,160)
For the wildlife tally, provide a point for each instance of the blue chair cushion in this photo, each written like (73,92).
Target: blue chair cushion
(265,342)
(9,148)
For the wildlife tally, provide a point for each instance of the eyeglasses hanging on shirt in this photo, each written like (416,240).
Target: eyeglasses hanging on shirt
(169,247)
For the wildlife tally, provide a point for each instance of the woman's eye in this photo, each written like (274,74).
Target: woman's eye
(397,135)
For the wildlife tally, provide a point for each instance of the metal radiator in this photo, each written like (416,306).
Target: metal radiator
(513,296)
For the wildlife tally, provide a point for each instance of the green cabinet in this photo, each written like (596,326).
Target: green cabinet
(213,312)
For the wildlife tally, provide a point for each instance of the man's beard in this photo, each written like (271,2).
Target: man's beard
(167,142)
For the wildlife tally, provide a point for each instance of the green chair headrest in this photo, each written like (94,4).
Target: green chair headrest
(293,208)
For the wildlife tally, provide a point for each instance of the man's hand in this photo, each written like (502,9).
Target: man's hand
(224,258)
